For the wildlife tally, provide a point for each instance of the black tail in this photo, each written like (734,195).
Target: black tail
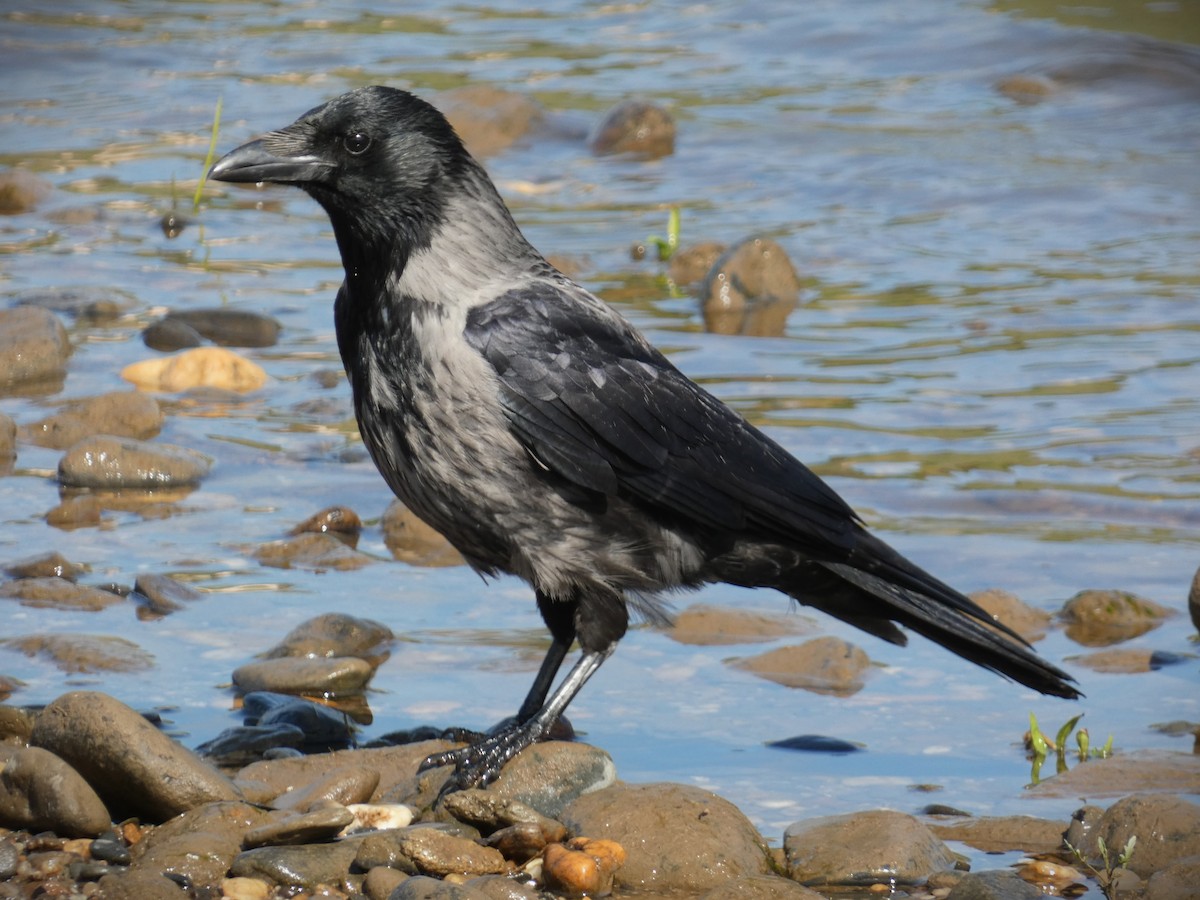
(879,586)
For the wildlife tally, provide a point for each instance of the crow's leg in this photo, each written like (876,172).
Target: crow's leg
(600,625)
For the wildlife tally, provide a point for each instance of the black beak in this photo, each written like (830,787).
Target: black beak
(254,162)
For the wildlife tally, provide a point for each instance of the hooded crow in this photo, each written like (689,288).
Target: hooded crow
(535,428)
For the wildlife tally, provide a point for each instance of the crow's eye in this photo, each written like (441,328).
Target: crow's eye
(357,143)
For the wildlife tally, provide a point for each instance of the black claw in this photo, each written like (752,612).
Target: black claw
(480,763)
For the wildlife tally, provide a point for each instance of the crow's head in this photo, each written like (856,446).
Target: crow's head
(381,161)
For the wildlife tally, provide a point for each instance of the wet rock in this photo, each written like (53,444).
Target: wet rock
(635,127)
(16,724)
(335,634)
(320,824)
(33,349)
(381,881)
(395,766)
(1050,875)
(140,886)
(40,792)
(198,845)
(676,837)
(58,593)
(422,887)
(582,867)
(320,725)
(201,367)
(1027,89)
(1027,621)
(1139,770)
(761,887)
(168,335)
(114,463)
(437,853)
(690,265)
(751,289)
(489,813)
(244,744)
(996,884)
(337,520)
(825,665)
(88,305)
(412,541)
(503,887)
(8,685)
(224,327)
(21,191)
(1128,661)
(162,593)
(245,889)
(1001,834)
(489,119)
(874,847)
(816,743)
(345,786)
(81,511)
(125,414)
(1175,882)
(8,443)
(1194,600)
(77,653)
(307,865)
(44,565)
(1167,830)
(311,551)
(546,777)
(135,768)
(704,625)
(326,676)
(1100,618)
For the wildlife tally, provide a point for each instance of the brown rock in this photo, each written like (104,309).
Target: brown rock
(40,792)
(338,520)
(33,349)
(121,414)
(585,866)
(1140,770)
(1100,618)
(198,845)
(137,885)
(311,551)
(677,837)
(1119,660)
(1001,834)
(636,127)
(320,824)
(8,443)
(689,265)
(1027,621)
(335,634)
(326,676)
(1167,830)
(58,593)
(344,786)
(874,847)
(437,853)
(135,768)
(45,565)
(751,290)
(1177,881)
(489,119)
(209,367)
(706,625)
(85,652)
(112,463)
(410,540)
(825,665)
(82,511)
(21,191)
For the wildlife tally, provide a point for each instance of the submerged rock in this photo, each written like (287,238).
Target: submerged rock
(207,367)
(85,653)
(824,665)
(335,634)
(124,414)
(1100,618)
(635,127)
(705,625)
(751,290)
(34,349)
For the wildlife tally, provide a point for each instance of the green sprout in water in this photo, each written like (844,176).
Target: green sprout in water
(1106,875)
(1042,746)
(668,245)
(208,158)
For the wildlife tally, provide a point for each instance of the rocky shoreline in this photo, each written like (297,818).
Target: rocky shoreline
(96,801)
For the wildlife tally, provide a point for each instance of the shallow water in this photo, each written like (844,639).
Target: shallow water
(996,362)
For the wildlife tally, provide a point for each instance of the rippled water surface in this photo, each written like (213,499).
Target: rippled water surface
(996,360)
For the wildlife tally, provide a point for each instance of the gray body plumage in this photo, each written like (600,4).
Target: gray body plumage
(535,428)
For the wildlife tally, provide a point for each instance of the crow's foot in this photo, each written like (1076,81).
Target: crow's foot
(480,762)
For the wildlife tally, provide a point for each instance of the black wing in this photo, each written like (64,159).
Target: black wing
(595,403)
